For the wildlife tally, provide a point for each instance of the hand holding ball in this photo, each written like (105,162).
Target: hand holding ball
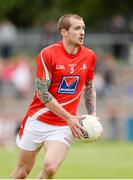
(93,129)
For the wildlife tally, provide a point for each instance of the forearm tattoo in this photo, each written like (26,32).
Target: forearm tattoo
(42,90)
(90,97)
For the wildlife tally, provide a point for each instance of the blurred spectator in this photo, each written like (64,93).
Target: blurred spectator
(113,115)
(17,127)
(131,53)
(9,68)
(15,77)
(99,84)
(105,70)
(119,25)
(109,63)
(8,34)
(7,128)
(49,34)
(6,70)
(22,77)
(1,75)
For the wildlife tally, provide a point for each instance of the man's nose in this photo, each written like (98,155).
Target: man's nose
(82,31)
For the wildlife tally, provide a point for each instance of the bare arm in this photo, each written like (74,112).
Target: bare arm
(52,104)
(90,98)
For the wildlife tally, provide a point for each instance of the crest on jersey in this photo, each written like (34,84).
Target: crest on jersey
(68,85)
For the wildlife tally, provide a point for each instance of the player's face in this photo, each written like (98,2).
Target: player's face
(76,32)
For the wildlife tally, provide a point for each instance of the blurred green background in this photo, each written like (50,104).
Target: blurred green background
(26,27)
(102,160)
(29,13)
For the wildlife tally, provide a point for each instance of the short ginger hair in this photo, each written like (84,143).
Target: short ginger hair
(64,21)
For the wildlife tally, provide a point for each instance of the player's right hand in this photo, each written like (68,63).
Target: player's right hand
(73,123)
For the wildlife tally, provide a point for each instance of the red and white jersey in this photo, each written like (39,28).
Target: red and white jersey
(67,74)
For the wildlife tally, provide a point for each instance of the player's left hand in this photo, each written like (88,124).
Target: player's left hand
(97,117)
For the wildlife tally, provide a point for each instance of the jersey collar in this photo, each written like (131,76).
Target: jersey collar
(67,54)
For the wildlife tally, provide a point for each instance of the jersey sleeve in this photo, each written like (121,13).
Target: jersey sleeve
(90,75)
(43,66)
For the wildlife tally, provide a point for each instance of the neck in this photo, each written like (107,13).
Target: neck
(70,48)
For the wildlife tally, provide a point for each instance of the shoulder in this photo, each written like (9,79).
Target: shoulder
(49,53)
(52,49)
(88,51)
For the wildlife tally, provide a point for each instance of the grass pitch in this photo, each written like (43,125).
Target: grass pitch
(101,160)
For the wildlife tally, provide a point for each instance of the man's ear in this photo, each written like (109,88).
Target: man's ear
(63,32)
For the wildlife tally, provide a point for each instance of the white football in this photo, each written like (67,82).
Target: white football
(93,129)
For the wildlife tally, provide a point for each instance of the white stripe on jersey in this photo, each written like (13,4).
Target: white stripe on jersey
(56,45)
(44,110)
(43,62)
(45,68)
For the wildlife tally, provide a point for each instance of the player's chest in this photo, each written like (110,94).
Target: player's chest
(70,67)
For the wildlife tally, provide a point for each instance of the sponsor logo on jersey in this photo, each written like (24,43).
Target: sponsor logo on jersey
(72,65)
(68,85)
(84,67)
(60,66)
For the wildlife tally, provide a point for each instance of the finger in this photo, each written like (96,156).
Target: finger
(78,126)
(74,133)
(80,133)
(77,132)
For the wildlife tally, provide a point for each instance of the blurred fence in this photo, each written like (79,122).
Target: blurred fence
(31,41)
